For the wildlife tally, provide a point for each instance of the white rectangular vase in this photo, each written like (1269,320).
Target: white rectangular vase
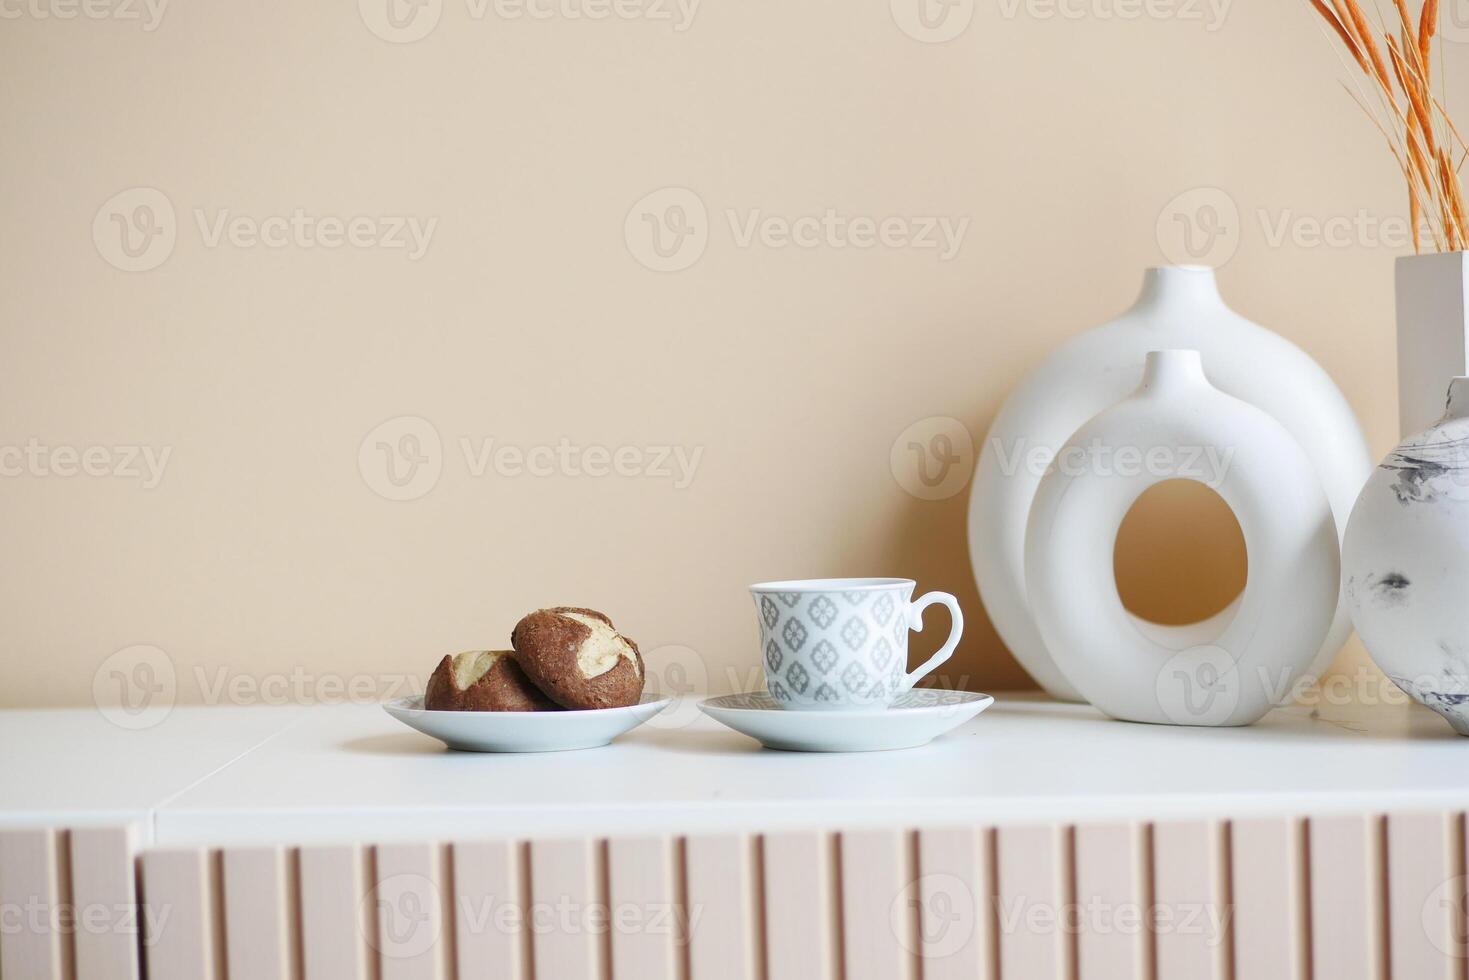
(1433,334)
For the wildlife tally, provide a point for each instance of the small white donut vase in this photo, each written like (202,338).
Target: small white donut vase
(1406,562)
(1179,307)
(1177,426)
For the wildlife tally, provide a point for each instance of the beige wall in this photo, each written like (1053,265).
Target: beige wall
(532,317)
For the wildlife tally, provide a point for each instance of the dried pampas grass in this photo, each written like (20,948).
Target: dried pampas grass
(1422,137)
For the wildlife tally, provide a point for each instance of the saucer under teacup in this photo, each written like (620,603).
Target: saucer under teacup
(914,718)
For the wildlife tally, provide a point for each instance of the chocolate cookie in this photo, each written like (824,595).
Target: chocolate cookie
(578,658)
(483,680)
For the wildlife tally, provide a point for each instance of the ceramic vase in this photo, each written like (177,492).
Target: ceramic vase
(1179,308)
(1178,426)
(1432,293)
(1406,563)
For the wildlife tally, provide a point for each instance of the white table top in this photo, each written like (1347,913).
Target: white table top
(74,767)
(350,772)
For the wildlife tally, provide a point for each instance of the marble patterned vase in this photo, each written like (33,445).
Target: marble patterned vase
(1405,561)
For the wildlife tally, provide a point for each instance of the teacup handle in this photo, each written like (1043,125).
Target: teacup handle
(915,623)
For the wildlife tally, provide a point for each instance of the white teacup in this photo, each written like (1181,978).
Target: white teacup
(842,643)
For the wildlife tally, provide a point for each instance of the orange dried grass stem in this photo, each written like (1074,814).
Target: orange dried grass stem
(1427,27)
(1455,196)
(1409,84)
(1341,31)
(1434,190)
(1363,32)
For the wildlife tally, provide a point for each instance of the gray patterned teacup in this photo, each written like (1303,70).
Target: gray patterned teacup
(842,643)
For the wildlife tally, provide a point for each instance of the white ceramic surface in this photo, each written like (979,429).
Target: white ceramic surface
(838,644)
(524,731)
(914,718)
(1179,307)
(1406,563)
(1189,430)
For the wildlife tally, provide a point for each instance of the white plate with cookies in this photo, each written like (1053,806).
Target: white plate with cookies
(525,731)
(569,681)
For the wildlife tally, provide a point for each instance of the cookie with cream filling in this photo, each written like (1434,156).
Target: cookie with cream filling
(578,658)
(483,680)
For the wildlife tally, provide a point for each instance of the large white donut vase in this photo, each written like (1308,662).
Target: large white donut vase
(1179,308)
(1178,426)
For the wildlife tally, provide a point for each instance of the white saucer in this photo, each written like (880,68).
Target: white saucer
(915,718)
(524,731)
